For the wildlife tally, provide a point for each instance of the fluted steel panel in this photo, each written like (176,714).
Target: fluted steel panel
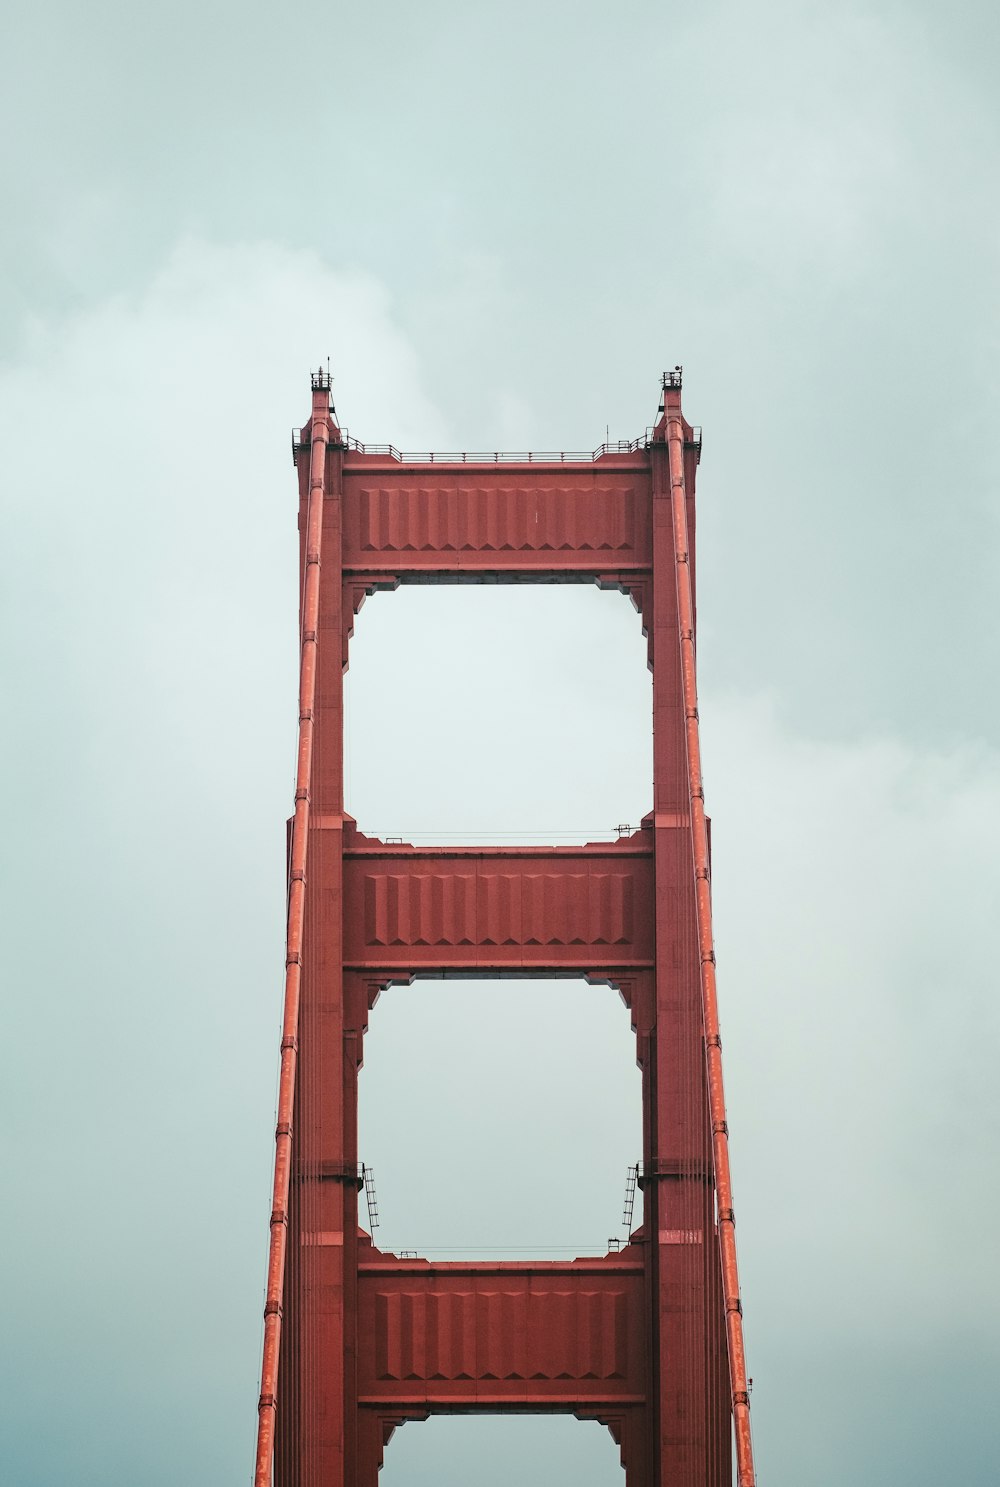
(464,518)
(564,519)
(437,1328)
(508,909)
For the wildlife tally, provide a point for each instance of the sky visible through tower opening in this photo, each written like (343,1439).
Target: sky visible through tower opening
(498,714)
(500,1117)
(452,1449)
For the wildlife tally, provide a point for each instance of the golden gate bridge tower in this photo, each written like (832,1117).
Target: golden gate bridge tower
(647,1339)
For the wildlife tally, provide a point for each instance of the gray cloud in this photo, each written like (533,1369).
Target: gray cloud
(501,223)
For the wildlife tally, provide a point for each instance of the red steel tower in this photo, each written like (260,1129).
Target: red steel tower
(648,1339)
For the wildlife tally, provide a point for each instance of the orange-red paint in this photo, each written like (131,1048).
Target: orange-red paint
(321,428)
(648,1340)
(675,433)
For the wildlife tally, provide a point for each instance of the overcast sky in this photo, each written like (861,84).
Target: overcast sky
(501,222)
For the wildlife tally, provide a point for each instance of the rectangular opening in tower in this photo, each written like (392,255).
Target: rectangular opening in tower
(501,1117)
(496,1450)
(513,713)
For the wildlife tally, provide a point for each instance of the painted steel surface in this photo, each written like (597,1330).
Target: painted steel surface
(649,1339)
(481,908)
(518,518)
(475,1334)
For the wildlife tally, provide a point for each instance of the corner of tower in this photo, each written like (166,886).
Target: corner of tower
(670,402)
(670,407)
(322,400)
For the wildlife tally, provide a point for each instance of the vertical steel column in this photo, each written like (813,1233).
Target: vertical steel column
(324,1202)
(298,854)
(703,899)
(676,1177)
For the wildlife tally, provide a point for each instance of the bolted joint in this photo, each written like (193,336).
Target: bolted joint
(692,713)
(713,1041)
(297,875)
(720,1127)
(309,635)
(305,716)
(279,1217)
(283,1128)
(266,1402)
(701,873)
(726,1217)
(741,1397)
(272,1309)
(734,1306)
(709,958)
(289,1045)
(293,959)
(303,794)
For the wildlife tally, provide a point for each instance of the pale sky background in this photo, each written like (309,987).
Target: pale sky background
(501,223)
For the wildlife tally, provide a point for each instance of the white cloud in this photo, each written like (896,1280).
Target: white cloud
(150,656)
